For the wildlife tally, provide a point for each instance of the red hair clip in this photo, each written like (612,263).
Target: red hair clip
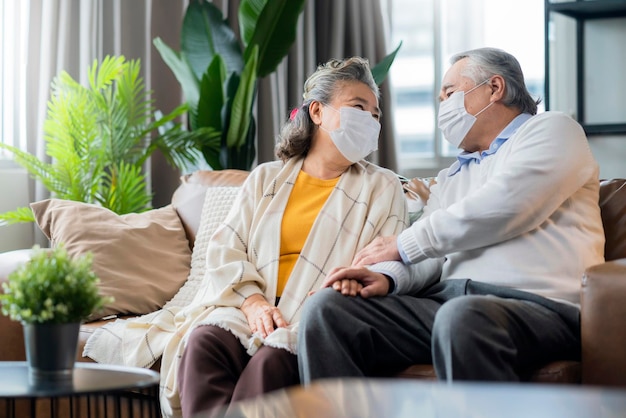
(293,113)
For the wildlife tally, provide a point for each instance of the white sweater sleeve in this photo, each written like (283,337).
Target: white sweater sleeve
(413,278)
(545,162)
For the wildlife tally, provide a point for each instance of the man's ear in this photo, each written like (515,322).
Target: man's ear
(315,112)
(497,85)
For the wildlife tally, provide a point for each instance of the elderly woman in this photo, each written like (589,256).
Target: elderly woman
(294,220)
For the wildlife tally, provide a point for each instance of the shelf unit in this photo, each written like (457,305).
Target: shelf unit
(582,10)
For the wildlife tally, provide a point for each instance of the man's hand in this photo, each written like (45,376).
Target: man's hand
(357,280)
(262,317)
(380,249)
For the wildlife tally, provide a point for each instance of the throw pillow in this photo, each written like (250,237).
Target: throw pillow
(217,204)
(142,259)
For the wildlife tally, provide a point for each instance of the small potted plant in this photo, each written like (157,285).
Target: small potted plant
(51,295)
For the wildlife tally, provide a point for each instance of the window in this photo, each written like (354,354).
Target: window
(433,30)
(13,55)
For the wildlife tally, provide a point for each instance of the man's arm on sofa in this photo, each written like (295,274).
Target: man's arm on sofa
(603,324)
(11,334)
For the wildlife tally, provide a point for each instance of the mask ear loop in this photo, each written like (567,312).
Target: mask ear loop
(474,88)
(477,85)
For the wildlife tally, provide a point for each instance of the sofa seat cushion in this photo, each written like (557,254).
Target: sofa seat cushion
(554,372)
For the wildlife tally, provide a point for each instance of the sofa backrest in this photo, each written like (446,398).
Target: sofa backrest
(188,198)
(613,207)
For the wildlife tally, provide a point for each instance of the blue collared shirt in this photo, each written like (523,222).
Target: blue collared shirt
(466,157)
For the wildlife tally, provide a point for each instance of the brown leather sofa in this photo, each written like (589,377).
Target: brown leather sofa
(603,291)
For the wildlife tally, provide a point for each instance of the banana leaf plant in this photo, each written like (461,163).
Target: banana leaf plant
(98,138)
(218,73)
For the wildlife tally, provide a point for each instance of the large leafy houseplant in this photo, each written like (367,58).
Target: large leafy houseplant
(218,73)
(98,138)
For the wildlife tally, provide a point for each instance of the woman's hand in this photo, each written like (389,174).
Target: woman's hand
(262,317)
(351,281)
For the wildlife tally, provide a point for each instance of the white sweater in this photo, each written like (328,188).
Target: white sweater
(526,217)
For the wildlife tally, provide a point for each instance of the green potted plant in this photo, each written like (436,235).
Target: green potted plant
(51,295)
(98,138)
(218,73)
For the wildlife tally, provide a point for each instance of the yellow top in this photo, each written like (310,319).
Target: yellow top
(305,202)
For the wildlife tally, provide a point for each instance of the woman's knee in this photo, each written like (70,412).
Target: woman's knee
(209,339)
(268,359)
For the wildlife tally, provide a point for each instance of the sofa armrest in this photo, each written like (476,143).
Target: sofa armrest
(11,334)
(603,324)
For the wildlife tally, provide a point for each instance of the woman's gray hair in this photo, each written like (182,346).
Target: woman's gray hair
(487,62)
(295,137)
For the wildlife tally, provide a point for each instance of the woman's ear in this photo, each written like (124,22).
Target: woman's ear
(315,112)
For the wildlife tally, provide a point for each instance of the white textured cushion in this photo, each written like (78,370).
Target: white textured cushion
(217,203)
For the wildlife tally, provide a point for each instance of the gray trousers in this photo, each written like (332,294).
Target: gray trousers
(468,330)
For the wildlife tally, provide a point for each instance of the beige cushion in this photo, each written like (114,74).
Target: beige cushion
(142,259)
(217,204)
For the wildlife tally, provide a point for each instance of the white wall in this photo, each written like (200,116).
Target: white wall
(605,83)
(13,194)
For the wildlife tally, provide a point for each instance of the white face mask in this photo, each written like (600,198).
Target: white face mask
(453,119)
(357,135)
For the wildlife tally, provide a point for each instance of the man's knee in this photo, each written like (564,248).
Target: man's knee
(323,305)
(460,318)
(325,317)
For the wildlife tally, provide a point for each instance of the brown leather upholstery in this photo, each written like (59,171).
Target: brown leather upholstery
(603,324)
(613,206)
(11,336)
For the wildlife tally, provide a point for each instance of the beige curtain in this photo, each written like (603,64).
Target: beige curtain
(328,29)
(69,34)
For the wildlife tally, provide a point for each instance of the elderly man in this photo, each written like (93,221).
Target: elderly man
(486,283)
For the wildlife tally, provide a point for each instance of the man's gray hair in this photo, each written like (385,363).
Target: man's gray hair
(487,62)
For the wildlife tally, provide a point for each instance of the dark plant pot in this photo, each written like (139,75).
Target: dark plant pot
(51,350)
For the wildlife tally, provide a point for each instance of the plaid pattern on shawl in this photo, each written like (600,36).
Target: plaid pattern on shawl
(242,260)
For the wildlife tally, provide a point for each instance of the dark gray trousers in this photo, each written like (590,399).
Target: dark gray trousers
(468,330)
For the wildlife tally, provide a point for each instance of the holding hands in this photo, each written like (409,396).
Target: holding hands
(352,281)
(359,280)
